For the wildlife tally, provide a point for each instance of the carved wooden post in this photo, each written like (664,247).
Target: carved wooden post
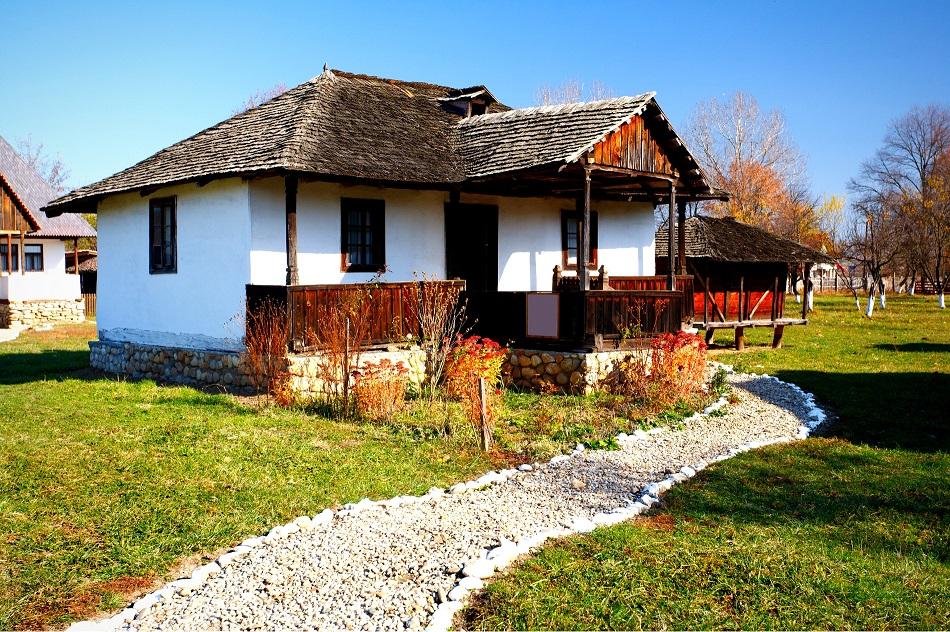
(22,254)
(681,238)
(9,254)
(290,195)
(76,256)
(604,278)
(671,242)
(556,279)
(583,246)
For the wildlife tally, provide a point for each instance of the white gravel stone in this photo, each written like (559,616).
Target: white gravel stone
(392,569)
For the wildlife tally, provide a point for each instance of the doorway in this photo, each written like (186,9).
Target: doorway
(471,245)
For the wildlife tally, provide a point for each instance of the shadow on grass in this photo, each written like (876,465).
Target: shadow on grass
(925,347)
(885,410)
(49,364)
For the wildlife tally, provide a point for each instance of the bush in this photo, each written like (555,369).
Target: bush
(380,389)
(474,358)
(265,343)
(672,372)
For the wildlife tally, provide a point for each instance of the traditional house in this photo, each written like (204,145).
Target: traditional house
(35,288)
(739,275)
(349,176)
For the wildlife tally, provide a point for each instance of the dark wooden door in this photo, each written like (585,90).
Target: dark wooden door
(471,245)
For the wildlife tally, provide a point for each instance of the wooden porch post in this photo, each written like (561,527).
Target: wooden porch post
(22,253)
(75,256)
(671,242)
(681,238)
(290,195)
(9,254)
(583,246)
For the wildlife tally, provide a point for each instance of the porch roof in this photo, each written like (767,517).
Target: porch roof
(351,127)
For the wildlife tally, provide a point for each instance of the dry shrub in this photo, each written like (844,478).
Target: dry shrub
(441,314)
(265,343)
(380,389)
(473,359)
(672,372)
(343,328)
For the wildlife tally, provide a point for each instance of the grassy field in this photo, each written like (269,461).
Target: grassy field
(849,530)
(107,484)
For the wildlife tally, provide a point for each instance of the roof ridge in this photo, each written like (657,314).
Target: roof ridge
(367,77)
(561,108)
(304,115)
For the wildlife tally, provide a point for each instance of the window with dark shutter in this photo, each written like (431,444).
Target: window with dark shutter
(571,237)
(363,240)
(14,258)
(162,237)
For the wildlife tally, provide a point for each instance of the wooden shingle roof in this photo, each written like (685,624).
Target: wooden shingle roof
(341,125)
(727,240)
(33,192)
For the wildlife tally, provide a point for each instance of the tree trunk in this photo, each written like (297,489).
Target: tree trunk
(883,293)
(940,300)
(870,310)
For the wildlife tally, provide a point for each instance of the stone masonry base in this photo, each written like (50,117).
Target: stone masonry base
(577,373)
(224,368)
(35,313)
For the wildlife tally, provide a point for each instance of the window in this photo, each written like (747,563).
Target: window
(571,236)
(14,258)
(162,248)
(33,257)
(363,241)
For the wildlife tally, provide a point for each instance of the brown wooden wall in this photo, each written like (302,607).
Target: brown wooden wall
(631,146)
(11,217)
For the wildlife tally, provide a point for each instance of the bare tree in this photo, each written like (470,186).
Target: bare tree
(572,91)
(51,168)
(750,154)
(260,97)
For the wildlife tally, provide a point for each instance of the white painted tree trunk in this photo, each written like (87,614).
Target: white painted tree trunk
(857,302)
(911,288)
(941,302)
(810,300)
(883,299)
(870,310)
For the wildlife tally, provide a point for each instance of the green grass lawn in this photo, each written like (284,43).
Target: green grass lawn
(107,484)
(848,530)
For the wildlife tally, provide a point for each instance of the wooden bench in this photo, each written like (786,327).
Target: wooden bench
(740,326)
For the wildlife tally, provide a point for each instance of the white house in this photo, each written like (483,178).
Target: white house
(348,176)
(35,288)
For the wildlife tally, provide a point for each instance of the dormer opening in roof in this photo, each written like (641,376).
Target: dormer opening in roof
(469,101)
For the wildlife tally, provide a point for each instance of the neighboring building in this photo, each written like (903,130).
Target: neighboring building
(740,273)
(35,288)
(346,176)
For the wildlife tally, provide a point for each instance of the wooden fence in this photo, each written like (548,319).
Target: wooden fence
(90,304)
(684,285)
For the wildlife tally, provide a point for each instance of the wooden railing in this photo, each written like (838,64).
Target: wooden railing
(585,319)
(758,300)
(392,308)
(684,285)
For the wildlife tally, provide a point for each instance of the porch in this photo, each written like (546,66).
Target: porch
(562,320)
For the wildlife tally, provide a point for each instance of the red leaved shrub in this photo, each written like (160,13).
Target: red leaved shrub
(380,389)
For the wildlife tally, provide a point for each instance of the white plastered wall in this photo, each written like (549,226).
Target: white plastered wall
(202,304)
(52,283)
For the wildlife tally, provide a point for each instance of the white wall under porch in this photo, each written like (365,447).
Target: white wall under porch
(52,283)
(529,235)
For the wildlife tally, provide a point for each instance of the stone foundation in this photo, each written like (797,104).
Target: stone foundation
(169,364)
(225,368)
(305,368)
(36,313)
(577,373)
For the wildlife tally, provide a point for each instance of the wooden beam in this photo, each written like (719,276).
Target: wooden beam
(740,338)
(759,302)
(22,252)
(290,207)
(583,246)
(777,336)
(75,256)
(671,253)
(634,173)
(681,238)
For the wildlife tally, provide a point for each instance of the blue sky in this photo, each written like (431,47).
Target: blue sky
(104,84)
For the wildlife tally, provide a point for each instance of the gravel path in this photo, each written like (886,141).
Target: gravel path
(389,565)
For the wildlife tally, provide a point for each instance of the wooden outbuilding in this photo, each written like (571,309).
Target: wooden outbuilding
(740,274)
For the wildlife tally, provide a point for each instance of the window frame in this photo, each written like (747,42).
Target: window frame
(14,258)
(31,255)
(169,267)
(574,216)
(377,225)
